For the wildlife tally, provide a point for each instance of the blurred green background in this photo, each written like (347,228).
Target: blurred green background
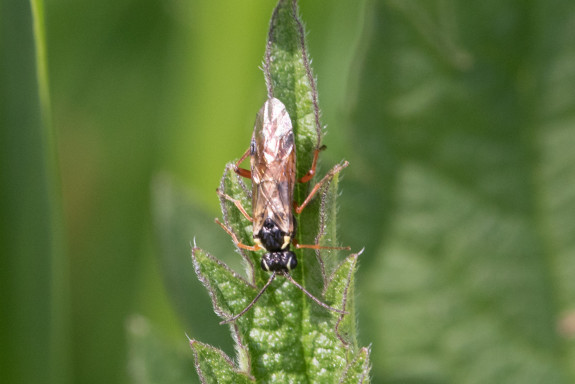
(458,119)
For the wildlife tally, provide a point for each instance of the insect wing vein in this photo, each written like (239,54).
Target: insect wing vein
(273,167)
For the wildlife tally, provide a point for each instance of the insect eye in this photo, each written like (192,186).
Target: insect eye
(291,261)
(265,265)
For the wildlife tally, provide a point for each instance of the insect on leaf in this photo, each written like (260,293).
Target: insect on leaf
(291,323)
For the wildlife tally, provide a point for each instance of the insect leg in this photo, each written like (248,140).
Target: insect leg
(242,171)
(315,246)
(235,238)
(237,203)
(307,177)
(329,175)
(317,301)
(233,318)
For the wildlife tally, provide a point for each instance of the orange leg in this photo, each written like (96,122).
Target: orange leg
(316,246)
(329,175)
(307,177)
(237,203)
(242,171)
(235,239)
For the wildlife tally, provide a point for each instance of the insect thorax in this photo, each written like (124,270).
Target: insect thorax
(272,238)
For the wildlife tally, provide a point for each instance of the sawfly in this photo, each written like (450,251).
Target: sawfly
(273,175)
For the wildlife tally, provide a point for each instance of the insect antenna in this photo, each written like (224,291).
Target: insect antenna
(291,280)
(272,277)
(317,301)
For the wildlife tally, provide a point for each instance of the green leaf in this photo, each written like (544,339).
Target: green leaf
(284,321)
(290,79)
(233,185)
(229,292)
(214,366)
(340,289)
(464,124)
(357,371)
(286,336)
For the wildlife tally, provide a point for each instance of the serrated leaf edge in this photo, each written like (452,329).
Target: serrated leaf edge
(205,280)
(229,172)
(365,367)
(353,257)
(306,61)
(322,225)
(226,358)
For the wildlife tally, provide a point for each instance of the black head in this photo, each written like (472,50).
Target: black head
(271,237)
(283,261)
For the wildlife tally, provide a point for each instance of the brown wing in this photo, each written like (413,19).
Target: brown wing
(273,167)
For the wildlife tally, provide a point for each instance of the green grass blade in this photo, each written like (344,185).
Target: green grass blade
(59,354)
(34,271)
